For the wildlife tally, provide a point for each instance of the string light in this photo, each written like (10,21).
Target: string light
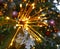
(41,9)
(17,24)
(20,5)
(26,4)
(43,14)
(25,0)
(39,17)
(7,18)
(33,5)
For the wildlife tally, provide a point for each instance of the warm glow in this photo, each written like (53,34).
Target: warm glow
(24,0)
(33,7)
(38,17)
(1,13)
(11,44)
(33,4)
(7,18)
(41,9)
(17,24)
(26,4)
(43,14)
(21,5)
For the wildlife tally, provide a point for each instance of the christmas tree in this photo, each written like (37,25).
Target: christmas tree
(29,24)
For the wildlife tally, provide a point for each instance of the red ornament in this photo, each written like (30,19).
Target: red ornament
(48,33)
(56,30)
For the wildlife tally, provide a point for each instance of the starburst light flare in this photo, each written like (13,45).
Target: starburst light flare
(26,21)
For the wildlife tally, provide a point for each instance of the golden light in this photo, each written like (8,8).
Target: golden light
(41,9)
(33,7)
(26,21)
(39,17)
(26,28)
(48,30)
(5,5)
(46,27)
(7,18)
(33,4)
(45,23)
(43,14)
(17,24)
(59,15)
(41,25)
(11,43)
(38,40)
(31,37)
(20,5)
(1,13)
(26,4)
(24,0)
(47,8)
(10,0)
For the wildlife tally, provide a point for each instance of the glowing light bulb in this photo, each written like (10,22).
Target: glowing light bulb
(41,25)
(33,7)
(26,28)
(24,0)
(41,9)
(21,5)
(45,21)
(33,4)
(7,18)
(17,24)
(43,14)
(38,17)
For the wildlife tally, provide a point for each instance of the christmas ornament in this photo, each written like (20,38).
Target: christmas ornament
(52,22)
(15,14)
(47,33)
(35,25)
